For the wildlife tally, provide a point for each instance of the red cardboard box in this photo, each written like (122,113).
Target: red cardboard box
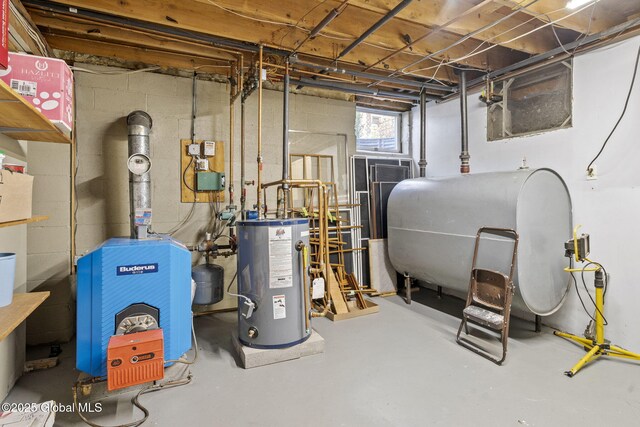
(46,83)
(4,34)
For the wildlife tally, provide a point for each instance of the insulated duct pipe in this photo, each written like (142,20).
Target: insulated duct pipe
(464,155)
(285,140)
(139,125)
(423,134)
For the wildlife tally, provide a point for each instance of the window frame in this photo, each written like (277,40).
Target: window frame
(397,115)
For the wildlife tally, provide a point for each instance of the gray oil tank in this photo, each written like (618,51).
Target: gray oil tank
(209,280)
(432,224)
(270,274)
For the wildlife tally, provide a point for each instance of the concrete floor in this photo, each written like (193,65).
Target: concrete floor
(399,367)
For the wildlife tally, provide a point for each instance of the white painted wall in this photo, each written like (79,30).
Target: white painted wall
(608,208)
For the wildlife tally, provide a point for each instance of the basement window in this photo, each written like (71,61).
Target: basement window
(378,131)
(536,101)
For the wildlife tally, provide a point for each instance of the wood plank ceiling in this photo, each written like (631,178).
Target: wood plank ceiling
(427,41)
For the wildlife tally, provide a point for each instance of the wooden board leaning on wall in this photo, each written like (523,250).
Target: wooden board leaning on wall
(187,178)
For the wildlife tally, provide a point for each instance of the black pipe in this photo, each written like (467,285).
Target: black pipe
(326,21)
(285,138)
(618,29)
(164,29)
(372,76)
(464,155)
(374,27)
(360,90)
(423,134)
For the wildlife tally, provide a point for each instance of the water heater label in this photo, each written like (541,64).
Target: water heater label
(279,307)
(280,259)
(125,270)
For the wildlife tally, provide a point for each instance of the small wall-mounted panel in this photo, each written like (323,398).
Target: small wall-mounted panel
(188,174)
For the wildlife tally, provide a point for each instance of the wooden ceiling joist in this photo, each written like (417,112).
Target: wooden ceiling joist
(137,54)
(426,41)
(204,17)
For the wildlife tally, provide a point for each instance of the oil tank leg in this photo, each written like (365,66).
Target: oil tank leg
(538,323)
(439,290)
(407,288)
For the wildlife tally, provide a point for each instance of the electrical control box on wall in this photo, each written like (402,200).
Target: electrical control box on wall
(210,181)
(202,171)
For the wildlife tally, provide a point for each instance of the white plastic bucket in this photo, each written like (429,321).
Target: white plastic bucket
(7,277)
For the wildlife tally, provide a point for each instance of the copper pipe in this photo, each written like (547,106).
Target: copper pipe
(323,221)
(259,159)
(305,288)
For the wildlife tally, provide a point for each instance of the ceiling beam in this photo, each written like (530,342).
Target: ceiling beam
(607,13)
(56,24)
(433,14)
(139,55)
(201,17)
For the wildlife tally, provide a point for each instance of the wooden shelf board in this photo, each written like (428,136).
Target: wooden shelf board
(20,120)
(24,221)
(12,315)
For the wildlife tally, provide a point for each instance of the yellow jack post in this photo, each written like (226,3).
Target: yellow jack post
(600,346)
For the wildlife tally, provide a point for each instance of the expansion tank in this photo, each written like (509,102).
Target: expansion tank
(432,225)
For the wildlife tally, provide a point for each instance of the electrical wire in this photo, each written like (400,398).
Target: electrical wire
(301,18)
(584,283)
(477,52)
(187,218)
(604,292)
(298,27)
(195,348)
(32,33)
(471,34)
(114,72)
(624,110)
(237,295)
(580,36)
(135,400)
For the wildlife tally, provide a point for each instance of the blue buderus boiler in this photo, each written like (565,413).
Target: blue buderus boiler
(132,285)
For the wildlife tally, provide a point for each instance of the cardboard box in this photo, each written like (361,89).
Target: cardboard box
(46,83)
(15,196)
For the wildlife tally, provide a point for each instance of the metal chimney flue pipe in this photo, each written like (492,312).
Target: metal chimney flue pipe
(139,126)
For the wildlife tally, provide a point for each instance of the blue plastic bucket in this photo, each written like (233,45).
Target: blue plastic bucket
(7,277)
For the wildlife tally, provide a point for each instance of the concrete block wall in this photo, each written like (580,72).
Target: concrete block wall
(103,102)
(13,240)
(48,242)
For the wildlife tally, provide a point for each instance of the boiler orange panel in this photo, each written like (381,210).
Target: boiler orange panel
(135,359)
